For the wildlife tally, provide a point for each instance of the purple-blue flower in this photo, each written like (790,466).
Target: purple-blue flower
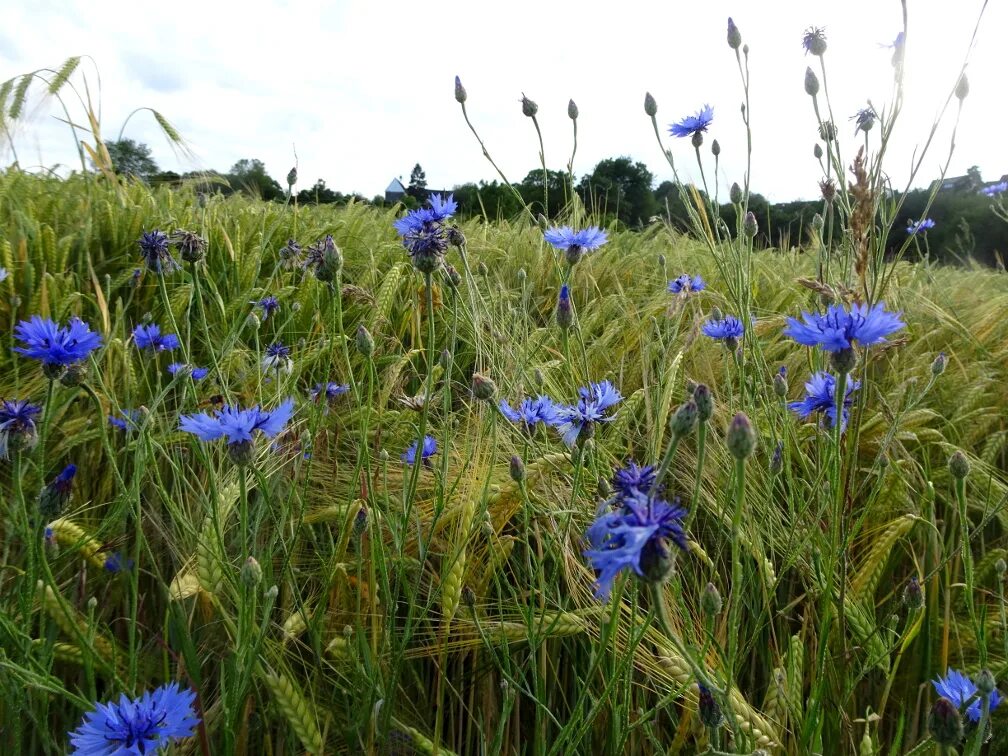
(17,425)
(237,425)
(578,421)
(531,412)
(277,358)
(695,124)
(991,191)
(196,373)
(838,329)
(268,305)
(635,536)
(329,390)
(565,237)
(154,250)
(443,208)
(864,119)
(959,689)
(820,396)
(129,421)
(634,477)
(150,337)
(687,284)
(134,727)
(54,496)
(428,450)
(728,329)
(922,225)
(424,234)
(115,563)
(53,345)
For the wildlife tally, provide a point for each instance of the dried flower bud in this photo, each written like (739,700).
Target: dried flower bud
(483,387)
(251,573)
(944,723)
(364,341)
(811,82)
(959,465)
(741,437)
(572,110)
(715,148)
(735,193)
(710,600)
(460,93)
(734,35)
(684,419)
(962,88)
(650,106)
(913,594)
(749,226)
(828,189)
(938,366)
(529,108)
(517,469)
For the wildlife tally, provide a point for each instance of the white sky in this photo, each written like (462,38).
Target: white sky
(364,89)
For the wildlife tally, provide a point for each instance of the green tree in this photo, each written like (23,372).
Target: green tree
(319,194)
(417,183)
(621,188)
(531,190)
(131,158)
(249,175)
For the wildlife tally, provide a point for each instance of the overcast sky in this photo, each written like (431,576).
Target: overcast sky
(364,89)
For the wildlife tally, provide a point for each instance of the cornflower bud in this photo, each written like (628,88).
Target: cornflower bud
(704,400)
(650,106)
(913,594)
(460,93)
(517,469)
(938,366)
(741,437)
(483,387)
(944,723)
(710,600)
(817,223)
(291,177)
(529,108)
(564,309)
(817,152)
(962,88)
(251,573)
(708,709)
(959,465)
(735,193)
(715,148)
(572,110)
(811,82)
(364,341)
(684,419)
(749,226)
(734,35)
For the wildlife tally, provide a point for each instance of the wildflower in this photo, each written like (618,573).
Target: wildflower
(684,419)
(704,402)
(685,283)
(460,93)
(564,309)
(990,191)
(115,563)
(913,594)
(268,305)
(633,477)
(945,723)
(139,726)
(575,243)
(734,35)
(54,497)
(922,225)
(741,437)
(749,225)
(364,341)
(531,412)
(735,193)
(516,468)
(191,246)
(277,359)
(839,330)
(864,119)
(959,689)
(237,426)
(820,396)
(290,255)
(150,337)
(634,536)
(324,259)
(330,390)
(828,189)
(483,387)
(827,131)
(428,450)
(17,426)
(529,108)
(155,253)
(708,709)
(423,232)
(780,384)
(814,41)
(693,125)
(129,421)
(576,423)
(55,346)
(728,329)
(572,110)
(442,207)
(811,82)
(197,373)
(959,465)
(898,47)
(650,106)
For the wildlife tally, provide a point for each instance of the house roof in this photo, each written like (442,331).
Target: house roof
(396,186)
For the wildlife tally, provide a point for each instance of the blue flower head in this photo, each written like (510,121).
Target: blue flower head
(268,305)
(693,125)
(277,358)
(17,426)
(54,497)
(838,329)
(238,426)
(864,119)
(330,391)
(577,423)
(443,208)
(959,689)
(56,346)
(129,421)
(635,536)
(150,337)
(116,563)
(820,396)
(155,253)
(196,373)
(728,329)
(575,243)
(685,283)
(990,191)
(923,224)
(428,450)
(633,479)
(424,234)
(531,412)
(132,727)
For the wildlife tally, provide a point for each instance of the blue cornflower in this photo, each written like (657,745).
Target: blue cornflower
(443,208)
(814,40)
(838,330)
(196,373)
(564,308)
(55,346)
(922,225)
(54,497)
(17,426)
(133,727)
(424,234)
(864,119)
(115,563)
(687,284)
(129,421)
(428,450)
(329,390)
(150,337)
(693,125)
(634,478)
(531,412)
(959,689)
(728,329)
(634,536)
(277,358)
(237,425)
(577,423)
(990,191)
(268,305)
(565,237)
(154,250)
(820,396)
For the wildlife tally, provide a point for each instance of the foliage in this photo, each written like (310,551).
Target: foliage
(131,158)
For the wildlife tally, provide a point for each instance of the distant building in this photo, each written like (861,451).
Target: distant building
(395,191)
(955,184)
